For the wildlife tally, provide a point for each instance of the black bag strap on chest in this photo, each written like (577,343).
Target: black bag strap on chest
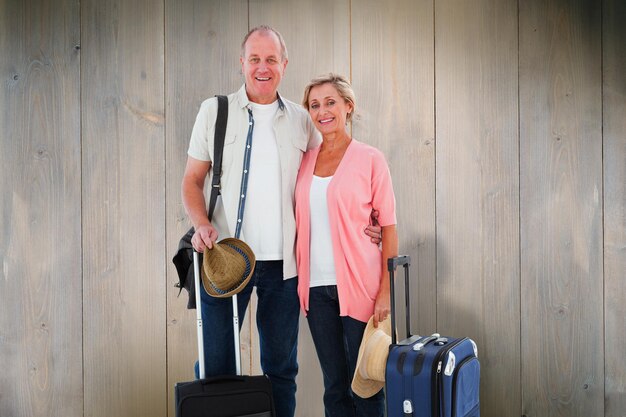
(218,150)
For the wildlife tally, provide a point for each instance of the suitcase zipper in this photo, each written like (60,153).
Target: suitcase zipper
(435,392)
(437,389)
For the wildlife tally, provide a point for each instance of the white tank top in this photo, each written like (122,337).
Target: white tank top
(322,268)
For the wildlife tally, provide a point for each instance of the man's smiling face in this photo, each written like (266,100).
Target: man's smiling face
(263,66)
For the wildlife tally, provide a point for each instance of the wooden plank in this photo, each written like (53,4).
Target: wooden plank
(477,189)
(393,78)
(614,106)
(202,48)
(317,38)
(561,208)
(124,208)
(40,277)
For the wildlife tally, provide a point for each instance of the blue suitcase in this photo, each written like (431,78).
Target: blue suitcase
(430,376)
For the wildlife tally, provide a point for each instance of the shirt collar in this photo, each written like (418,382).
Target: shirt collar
(243,100)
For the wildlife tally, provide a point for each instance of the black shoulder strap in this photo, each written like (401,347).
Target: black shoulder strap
(218,149)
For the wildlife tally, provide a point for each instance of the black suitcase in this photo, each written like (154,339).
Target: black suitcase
(227,395)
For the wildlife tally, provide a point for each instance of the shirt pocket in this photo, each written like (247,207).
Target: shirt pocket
(298,148)
(227,154)
(300,141)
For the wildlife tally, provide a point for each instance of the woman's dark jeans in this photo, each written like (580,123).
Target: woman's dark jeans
(337,340)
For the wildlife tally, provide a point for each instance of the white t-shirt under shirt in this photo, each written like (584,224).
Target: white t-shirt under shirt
(262,222)
(322,258)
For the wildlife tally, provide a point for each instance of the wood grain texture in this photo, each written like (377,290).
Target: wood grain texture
(40,278)
(614,141)
(477,189)
(393,78)
(561,208)
(510,253)
(124,329)
(317,38)
(202,48)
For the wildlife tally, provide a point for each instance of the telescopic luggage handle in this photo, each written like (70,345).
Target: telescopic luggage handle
(392,264)
(196,277)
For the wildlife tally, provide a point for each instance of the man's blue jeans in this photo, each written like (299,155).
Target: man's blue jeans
(277,318)
(337,340)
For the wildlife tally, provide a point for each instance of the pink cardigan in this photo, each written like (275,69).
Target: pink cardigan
(362,182)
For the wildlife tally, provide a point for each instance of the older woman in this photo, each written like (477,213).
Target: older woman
(342,277)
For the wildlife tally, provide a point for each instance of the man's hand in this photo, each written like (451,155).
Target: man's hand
(195,204)
(204,237)
(374,231)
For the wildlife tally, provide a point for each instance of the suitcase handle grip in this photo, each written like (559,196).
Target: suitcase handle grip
(422,343)
(392,264)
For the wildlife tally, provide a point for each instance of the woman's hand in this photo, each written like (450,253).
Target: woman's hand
(382,307)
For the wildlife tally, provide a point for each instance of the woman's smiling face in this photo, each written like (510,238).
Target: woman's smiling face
(328,109)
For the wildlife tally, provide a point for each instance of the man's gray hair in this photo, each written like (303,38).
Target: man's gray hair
(266,29)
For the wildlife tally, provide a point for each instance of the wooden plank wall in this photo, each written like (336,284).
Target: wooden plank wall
(40,206)
(503,124)
(123,177)
(561,198)
(477,189)
(614,144)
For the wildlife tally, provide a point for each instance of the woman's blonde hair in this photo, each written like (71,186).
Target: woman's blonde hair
(341,84)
